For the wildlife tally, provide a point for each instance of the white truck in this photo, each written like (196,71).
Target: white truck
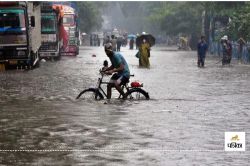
(20,34)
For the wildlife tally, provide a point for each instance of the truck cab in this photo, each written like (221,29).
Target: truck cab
(20,36)
(71,27)
(50,21)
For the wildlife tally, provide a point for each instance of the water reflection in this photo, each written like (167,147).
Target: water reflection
(191,108)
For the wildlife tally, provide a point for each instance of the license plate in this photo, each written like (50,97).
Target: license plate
(2,67)
(12,62)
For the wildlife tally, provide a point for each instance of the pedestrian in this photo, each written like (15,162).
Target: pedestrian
(83,38)
(144,52)
(119,43)
(98,41)
(94,40)
(107,40)
(131,44)
(241,43)
(201,51)
(119,68)
(113,42)
(123,41)
(91,40)
(226,50)
(136,43)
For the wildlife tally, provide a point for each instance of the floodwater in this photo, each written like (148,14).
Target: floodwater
(41,123)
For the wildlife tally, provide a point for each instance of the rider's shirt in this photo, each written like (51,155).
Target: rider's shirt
(118,59)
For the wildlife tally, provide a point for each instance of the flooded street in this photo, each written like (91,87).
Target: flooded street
(182,124)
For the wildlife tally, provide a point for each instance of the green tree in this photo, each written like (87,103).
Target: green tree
(90,15)
(173,17)
(222,12)
(186,17)
(239,25)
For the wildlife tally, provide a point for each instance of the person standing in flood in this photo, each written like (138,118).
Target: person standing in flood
(227,50)
(241,43)
(106,40)
(144,51)
(119,43)
(131,44)
(113,42)
(201,51)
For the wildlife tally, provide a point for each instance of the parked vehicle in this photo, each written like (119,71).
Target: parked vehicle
(50,23)
(70,24)
(20,34)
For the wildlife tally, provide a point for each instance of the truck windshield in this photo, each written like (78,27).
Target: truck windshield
(12,21)
(12,26)
(68,20)
(48,23)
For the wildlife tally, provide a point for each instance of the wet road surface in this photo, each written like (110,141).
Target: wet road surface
(182,124)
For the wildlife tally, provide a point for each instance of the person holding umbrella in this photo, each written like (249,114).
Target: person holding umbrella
(131,43)
(136,43)
(144,42)
(144,51)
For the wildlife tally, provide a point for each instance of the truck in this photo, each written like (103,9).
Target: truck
(70,24)
(20,34)
(50,31)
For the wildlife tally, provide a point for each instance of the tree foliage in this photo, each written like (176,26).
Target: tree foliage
(186,17)
(239,25)
(90,15)
(183,18)
(172,18)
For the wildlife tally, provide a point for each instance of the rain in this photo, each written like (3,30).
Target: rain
(178,74)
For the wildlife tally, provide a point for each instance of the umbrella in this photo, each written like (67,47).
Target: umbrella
(149,38)
(131,36)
